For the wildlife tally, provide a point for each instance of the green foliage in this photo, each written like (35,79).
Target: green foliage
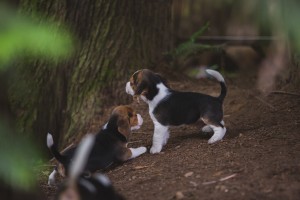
(20,36)
(190,47)
(199,33)
(290,23)
(18,155)
(281,18)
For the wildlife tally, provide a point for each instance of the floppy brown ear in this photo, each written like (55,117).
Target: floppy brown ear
(140,90)
(124,127)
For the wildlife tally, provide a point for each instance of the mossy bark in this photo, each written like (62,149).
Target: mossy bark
(113,39)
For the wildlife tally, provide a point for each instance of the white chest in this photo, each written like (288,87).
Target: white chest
(163,92)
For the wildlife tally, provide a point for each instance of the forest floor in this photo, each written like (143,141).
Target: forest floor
(259,158)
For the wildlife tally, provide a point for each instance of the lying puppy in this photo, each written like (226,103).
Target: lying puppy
(78,187)
(168,107)
(110,144)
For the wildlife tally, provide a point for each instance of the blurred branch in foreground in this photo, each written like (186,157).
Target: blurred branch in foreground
(18,155)
(21,36)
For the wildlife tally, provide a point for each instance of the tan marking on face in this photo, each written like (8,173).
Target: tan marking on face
(136,79)
(127,117)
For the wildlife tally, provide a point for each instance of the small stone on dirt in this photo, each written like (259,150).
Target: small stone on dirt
(189,174)
(179,195)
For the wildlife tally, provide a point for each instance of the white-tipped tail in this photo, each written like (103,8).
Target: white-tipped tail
(81,156)
(103,179)
(49,140)
(216,75)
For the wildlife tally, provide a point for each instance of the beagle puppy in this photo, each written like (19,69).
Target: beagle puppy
(78,187)
(168,107)
(110,144)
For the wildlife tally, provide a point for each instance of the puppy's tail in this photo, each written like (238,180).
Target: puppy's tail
(220,78)
(81,157)
(50,144)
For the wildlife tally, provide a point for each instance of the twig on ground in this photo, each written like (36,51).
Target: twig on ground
(209,182)
(144,166)
(135,141)
(220,180)
(227,177)
(283,92)
(141,167)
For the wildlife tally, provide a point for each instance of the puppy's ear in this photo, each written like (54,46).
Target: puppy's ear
(123,126)
(162,79)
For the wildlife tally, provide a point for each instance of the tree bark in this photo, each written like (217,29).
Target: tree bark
(113,39)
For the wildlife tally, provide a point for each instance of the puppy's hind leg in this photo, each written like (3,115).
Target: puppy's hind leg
(206,129)
(219,132)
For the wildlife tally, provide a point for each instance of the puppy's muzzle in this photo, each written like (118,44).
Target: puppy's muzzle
(129,89)
(140,123)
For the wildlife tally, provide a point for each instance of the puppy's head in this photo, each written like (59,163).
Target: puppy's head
(144,83)
(127,120)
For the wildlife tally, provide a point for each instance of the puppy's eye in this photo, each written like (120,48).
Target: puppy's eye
(130,115)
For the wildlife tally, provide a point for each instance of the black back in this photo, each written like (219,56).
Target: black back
(105,150)
(187,107)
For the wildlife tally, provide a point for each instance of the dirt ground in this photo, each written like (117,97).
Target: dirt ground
(259,157)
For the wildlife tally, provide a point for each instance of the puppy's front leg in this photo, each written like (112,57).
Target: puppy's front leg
(135,152)
(130,153)
(160,137)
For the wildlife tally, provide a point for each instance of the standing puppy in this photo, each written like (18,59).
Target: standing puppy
(168,107)
(110,144)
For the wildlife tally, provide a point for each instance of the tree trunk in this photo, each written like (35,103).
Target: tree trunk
(113,39)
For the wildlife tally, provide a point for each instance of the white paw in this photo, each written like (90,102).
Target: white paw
(137,151)
(207,129)
(142,150)
(51,181)
(155,149)
(217,136)
(213,140)
(166,137)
